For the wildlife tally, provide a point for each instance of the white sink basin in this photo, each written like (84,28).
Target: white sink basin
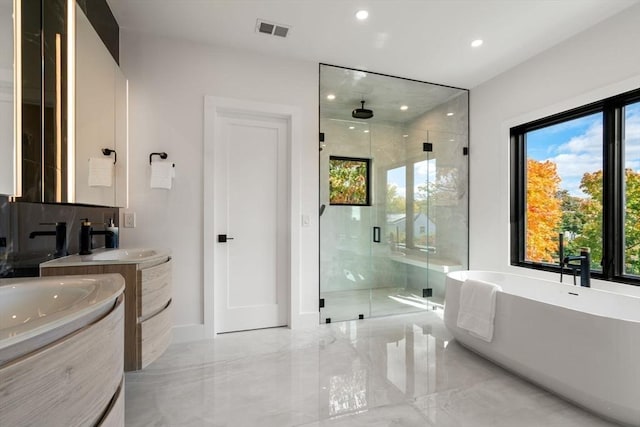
(124,255)
(39,310)
(146,256)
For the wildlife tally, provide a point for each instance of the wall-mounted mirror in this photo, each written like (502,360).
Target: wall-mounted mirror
(7,144)
(73,108)
(100,121)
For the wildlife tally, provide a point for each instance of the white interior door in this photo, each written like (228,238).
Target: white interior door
(250,182)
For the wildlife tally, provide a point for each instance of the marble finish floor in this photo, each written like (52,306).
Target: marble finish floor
(395,371)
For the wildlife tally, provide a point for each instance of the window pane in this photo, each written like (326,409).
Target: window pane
(564,189)
(632,189)
(397,206)
(348,181)
(426,193)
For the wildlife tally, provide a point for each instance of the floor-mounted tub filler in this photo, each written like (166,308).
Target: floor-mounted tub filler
(580,343)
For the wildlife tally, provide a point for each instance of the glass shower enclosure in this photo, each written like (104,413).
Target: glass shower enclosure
(393,193)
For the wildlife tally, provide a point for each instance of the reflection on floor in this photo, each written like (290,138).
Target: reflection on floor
(349,304)
(402,370)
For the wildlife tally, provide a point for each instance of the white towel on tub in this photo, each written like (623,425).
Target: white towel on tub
(478,308)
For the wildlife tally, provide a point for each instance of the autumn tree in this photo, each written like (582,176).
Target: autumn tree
(543,214)
(348,182)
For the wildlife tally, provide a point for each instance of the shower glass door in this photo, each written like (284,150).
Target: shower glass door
(404,170)
(346,220)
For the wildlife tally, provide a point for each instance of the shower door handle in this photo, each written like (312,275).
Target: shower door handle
(376,234)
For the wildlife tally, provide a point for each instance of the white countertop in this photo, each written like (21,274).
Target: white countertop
(145,257)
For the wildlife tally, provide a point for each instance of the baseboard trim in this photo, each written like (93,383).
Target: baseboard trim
(196,332)
(187,333)
(305,321)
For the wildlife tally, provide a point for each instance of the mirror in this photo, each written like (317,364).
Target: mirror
(69,113)
(100,121)
(7,146)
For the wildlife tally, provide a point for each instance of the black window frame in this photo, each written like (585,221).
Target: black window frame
(612,192)
(367,163)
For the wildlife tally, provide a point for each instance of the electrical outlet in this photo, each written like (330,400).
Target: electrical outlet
(129,219)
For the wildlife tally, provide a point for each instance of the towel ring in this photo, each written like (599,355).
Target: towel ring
(108,151)
(162,155)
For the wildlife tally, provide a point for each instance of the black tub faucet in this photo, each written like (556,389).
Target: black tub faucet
(584,266)
(61,237)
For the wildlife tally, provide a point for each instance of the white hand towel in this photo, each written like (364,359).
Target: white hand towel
(478,308)
(100,172)
(162,174)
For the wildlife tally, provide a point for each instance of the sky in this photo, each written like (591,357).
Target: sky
(576,146)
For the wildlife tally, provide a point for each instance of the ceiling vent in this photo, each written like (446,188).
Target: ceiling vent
(271,28)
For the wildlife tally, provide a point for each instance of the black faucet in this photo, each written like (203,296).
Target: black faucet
(584,266)
(61,237)
(86,234)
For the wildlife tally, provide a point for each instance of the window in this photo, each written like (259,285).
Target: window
(349,181)
(577,174)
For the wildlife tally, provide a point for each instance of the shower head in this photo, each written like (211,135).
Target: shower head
(362,113)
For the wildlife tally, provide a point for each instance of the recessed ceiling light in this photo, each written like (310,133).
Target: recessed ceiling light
(362,15)
(449,114)
(366,131)
(477,43)
(331,97)
(352,127)
(405,135)
(451,140)
(404,107)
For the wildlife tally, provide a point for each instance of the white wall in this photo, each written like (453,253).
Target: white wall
(167,83)
(595,64)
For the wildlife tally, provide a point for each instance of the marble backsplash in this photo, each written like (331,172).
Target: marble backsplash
(20,255)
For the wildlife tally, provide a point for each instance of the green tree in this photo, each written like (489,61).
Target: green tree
(572,219)
(395,203)
(591,210)
(632,222)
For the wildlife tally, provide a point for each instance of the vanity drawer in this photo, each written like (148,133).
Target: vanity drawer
(115,413)
(155,335)
(154,289)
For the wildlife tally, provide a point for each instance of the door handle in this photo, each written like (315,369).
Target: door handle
(222,238)
(376,234)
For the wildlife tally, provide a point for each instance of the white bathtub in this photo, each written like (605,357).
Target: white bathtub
(581,343)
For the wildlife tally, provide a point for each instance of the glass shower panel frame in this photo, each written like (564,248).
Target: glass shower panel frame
(346,230)
(447,206)
(397,263)
(413,233)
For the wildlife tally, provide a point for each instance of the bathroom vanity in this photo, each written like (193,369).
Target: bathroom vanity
(147,312)
(61,355)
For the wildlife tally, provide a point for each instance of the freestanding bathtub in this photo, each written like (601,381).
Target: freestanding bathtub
(581,343)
